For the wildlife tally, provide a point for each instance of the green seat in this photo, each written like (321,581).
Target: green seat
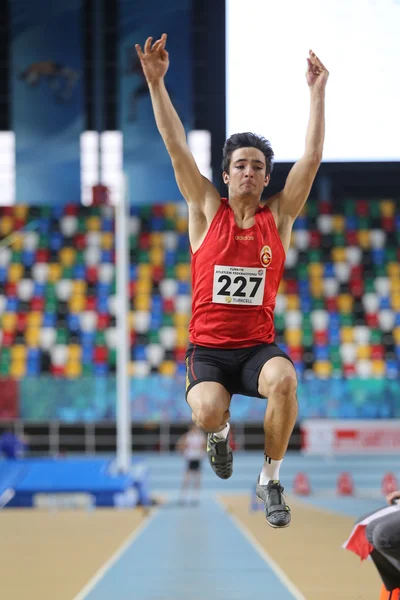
(16,257)
(376,336)
(339,240)
(170,273)
(346,319)
(279,322)
(315,256)
(143,256)
(145,211)
(154,337)
(43,242)
(318,303)
(349,207)
(62,336)
(133,241)
(167,321)
(112,357)
(82,225)
(100,338)
(50,306)
(169,224)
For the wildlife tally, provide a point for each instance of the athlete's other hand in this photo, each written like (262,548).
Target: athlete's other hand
(154,59)
(317,74)
(393,496)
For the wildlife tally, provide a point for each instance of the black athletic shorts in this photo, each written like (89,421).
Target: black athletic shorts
(193,465)
(236,369)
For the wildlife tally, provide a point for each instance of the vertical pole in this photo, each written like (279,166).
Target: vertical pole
(98,71)
(124,435)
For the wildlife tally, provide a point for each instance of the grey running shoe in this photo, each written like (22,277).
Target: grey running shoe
(277,511)
(220,456)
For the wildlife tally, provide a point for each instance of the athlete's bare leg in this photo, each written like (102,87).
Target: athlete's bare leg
(278,383)
(209,402)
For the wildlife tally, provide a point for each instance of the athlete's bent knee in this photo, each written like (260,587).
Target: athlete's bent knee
(284,386)
(208,418)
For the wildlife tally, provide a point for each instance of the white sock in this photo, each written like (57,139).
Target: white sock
(222,435)
(270,470)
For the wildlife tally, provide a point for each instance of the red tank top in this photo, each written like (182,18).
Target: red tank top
(235,278)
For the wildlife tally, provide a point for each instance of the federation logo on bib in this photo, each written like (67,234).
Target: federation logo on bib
(266,256)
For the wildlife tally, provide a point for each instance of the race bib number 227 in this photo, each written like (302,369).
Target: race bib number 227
(238,285)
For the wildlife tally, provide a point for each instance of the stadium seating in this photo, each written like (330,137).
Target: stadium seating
(337,311)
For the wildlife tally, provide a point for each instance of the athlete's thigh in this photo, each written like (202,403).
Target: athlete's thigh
(261,361)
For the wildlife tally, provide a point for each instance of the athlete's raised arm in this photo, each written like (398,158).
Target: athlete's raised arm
(196,189)
(288,203)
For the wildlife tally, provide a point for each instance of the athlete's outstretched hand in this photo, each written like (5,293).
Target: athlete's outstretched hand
(317,74)
(154,59)
(393,496)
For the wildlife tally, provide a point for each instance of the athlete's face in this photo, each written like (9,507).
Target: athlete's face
(246,175)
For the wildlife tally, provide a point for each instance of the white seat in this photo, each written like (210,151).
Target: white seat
(5,256)
(293,319)
(93,238)
(377,238)
(47,337)
(281,303)
(168,337)
(92,256)
(30,241)
(291,258)
(353,255)
(155,354)
(142,320)
(342,271)
(386,319)
(362,334)
(170,240)
(183,304)
(331,287)
(168,288)
(301,239)
(3,304)
(348,353)
(141,368)
(370,302)
(64,289)
(382,286)
(112,305)
(68,225)
(134,225)
(59,355)
(325,223)
(111,337)
(182,209)
(40,272)
(88,320)
(319,319)
(364,368)
(25,289)
(106,273)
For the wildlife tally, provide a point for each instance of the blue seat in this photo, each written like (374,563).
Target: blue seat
(157,224)
(79,272)
(56,241)
(12,304)
(49,319)
(139,352)
(39,289)
(107,224)
(73,322)
(106,256)
(28,258)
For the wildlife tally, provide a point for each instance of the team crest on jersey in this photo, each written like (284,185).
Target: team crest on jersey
(266,256)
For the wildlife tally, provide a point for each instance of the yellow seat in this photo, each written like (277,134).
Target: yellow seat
(18,242)
(156,257)
(338,223)
(182,272)
(364,239)
(18,353)
(182,336)
(181,319)
(315,270)
(322,368)
(18,369)
(144,271)
(378,368)
(170,210)
(131,320)
(107,240)
(15,272)
(156,239)
(93,223)
(67,256)
(77,303)
(32,337)
(364,352)
(393,270)
(74,352)
(293,302)
(396,335)
(395,302)
(142,302)
(6,225)
(388,208)
(168,368)
(339,254)
(282,287)
(316,288)
(21,211)
(131,369)
(73,369)
(79,287)
(346,335)
(345,303)
(293,337)
(54,272)
(181,224)
(395,286)
(9,321)
(34,319)
(143,286)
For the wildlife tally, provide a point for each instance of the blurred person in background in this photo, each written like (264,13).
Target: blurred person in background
(238,253)
(192,446)
(12,446)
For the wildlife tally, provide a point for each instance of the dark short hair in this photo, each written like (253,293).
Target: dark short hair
(247,140)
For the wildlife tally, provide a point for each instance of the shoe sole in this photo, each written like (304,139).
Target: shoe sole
(270,524)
